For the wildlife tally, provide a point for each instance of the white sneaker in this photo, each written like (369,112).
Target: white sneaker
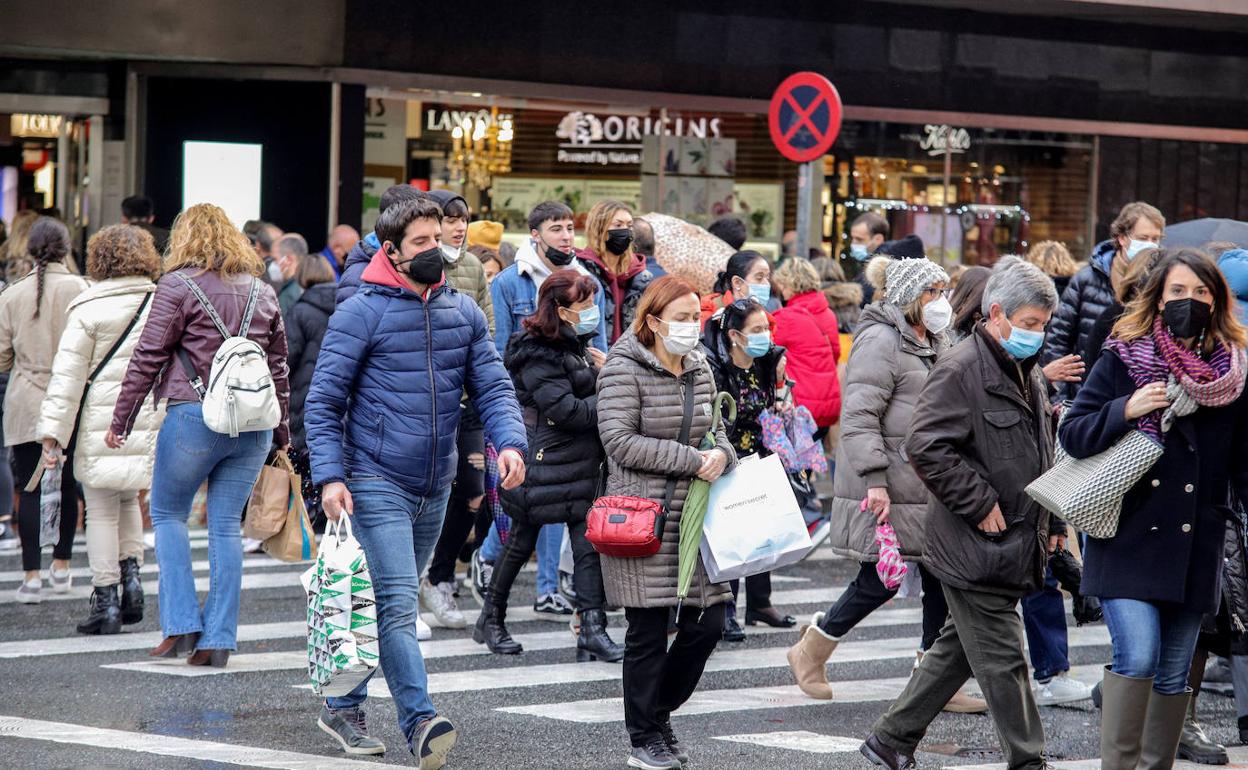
(423,632)
(440,601)
(252,545)
(149,540)
(1061,689)
(29,591)
(61,581)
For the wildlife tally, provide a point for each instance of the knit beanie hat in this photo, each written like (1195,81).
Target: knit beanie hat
(906,279)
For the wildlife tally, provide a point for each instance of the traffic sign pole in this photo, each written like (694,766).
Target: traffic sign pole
(804,174)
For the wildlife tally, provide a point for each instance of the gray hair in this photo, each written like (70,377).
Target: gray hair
(1016,284)
(291,244)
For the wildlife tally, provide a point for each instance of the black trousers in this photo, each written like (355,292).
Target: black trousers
(867,593)
(586,576)
(757,591)
(27,457)
(460,516)
(658,679)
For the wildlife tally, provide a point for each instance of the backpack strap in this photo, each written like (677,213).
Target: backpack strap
(197,382)
(206,304)
(250,309)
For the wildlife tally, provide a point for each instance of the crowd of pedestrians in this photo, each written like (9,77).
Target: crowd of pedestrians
(428,373)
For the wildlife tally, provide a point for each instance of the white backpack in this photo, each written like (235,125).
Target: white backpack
(240,396)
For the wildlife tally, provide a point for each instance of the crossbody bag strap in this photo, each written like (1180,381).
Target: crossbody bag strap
(686,424)
(86,388)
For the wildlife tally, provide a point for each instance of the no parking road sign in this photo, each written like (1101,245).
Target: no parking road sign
(805,116)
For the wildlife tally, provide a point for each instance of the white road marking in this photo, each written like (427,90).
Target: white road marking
(251,581)
(796,740)
(169,746)
(83,574)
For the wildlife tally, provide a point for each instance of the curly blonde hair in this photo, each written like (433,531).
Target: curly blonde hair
(797,275)
(597,223)
(204,237)
(1053,258)
(118,251)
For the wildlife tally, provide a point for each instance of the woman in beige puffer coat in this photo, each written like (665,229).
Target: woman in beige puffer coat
(641,395)
(122,260)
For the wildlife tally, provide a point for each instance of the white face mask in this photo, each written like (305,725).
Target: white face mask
(1134,248)
(275,272)
(681,338)
(450,253)
(937,315)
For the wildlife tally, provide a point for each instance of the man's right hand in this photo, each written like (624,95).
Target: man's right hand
(993,523)
(336,500)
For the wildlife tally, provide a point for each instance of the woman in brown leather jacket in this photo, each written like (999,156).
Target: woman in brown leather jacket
(206,248)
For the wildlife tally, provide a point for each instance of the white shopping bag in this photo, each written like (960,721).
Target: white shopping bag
(342,613)
(753,522)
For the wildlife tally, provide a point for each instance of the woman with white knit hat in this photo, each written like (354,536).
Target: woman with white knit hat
(897,341)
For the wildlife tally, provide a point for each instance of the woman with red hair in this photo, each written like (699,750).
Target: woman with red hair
(556,373)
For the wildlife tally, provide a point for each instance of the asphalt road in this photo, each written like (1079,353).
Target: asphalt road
(70,701)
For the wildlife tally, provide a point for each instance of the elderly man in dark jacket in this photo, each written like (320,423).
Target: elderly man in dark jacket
(1090,293)
(982,432)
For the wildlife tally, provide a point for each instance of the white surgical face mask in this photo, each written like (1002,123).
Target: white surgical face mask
(681,338)
(937,315)
(275,272)
(1135,247)
(450,254)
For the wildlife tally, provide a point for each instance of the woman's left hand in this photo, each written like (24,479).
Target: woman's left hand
(596,357)
(51,453)
(713,463)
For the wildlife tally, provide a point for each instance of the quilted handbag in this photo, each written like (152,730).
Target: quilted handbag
(1087,493)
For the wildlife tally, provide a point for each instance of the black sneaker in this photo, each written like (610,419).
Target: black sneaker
(431,741)
(553,604)
(673,744)
(479,573)
(655,755)
(347,725)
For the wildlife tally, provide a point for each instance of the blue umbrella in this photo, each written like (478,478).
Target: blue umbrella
(1199,232)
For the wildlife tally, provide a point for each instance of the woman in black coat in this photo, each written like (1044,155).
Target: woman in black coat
(748,367)
(555,372)
(1177,345)
(305,328)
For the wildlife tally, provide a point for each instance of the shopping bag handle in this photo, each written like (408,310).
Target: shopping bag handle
(281,460)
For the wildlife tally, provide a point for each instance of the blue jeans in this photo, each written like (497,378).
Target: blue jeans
(397,531)
(187,454)
(1153,640)
(1044,618)
(549,544)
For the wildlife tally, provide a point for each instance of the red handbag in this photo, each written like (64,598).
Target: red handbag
(630,527)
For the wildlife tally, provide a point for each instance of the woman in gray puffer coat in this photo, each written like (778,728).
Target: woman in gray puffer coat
(896,343)
(641,408)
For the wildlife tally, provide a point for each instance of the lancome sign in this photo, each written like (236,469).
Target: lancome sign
(616,139)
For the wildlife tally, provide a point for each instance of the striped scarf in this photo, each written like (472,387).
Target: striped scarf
(1192,380)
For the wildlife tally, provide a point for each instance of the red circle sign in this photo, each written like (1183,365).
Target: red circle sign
(805,116)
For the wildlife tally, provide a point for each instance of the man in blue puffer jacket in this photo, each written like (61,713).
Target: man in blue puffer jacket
(359,257)
(394,362)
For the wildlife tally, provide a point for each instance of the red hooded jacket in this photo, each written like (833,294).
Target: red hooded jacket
(809,330)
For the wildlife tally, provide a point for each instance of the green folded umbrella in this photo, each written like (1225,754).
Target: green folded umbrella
(694,511)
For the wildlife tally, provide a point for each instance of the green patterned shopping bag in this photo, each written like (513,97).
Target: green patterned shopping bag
(342,614)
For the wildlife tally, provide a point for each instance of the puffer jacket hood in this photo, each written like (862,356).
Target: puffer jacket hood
(354,266)
(623,291)
(320,296)
(1234,265)
(888,366)
(640,411)
(555,385)
(96,320)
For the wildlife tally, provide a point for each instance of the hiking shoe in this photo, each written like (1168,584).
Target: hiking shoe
(431,741)
(479,573)
(1061,689)
(348,726)
(61,581)
(673,744)
(440,601)
(29,592)
(553,604)
(655,755)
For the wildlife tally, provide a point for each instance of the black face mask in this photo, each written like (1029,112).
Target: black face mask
(619,240)
(1187,317)
(559,258)
(425,267)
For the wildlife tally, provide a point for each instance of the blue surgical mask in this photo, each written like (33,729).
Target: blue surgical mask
(1023,344)
(757,345)
(859,252)
(760,292)
(1135,247)
(587,321)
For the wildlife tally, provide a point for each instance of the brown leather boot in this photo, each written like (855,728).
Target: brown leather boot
(808,660)
(175,646)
